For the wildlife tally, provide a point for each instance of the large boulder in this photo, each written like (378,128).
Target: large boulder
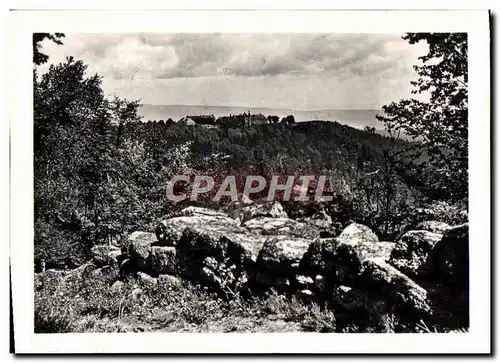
(266,209)
(356,306)
(103,255)
(433,226)
(137,247)
(230,248)
(448,262)
(280,227)
(278,261)
(163,260)
(355,233)
(320,220)
(412,249)
(403,295)
(169,231)
(340,263)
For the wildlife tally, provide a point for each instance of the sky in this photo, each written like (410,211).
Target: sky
(294,71)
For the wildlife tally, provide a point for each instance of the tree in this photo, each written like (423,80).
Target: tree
(290,119)
(123,112)
(439,125)
(38,57)
(273,119)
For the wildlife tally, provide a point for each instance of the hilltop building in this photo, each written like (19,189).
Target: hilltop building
(250,119)
(203,120)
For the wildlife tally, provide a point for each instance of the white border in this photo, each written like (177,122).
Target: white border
(23,23)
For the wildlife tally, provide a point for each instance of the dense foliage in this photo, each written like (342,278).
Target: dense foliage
(440,125)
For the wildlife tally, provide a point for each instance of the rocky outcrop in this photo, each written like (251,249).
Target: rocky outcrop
(412,249)
(402,294)
(212,254)
(278,261)
(357,305)
(351,271)
(448,261)
(146,280)
(137,247)
(339,260)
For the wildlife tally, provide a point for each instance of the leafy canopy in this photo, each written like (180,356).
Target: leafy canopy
(439,125)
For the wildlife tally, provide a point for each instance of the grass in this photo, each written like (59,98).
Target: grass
(84,301)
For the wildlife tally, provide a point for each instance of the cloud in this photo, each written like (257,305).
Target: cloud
(166,56)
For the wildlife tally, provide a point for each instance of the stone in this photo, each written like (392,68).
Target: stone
(338,262)
(280,283)
(231,248)
(355,233)
(137,247)
(169,231)
(381,280)
(412,250)
(448,262)
(278,261)
(352,300)
(320,219)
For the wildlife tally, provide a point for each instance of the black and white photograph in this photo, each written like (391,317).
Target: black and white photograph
(267,181)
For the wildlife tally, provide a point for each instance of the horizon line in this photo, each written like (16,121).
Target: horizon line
(267,107)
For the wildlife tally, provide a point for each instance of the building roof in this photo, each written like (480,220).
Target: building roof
(203,119)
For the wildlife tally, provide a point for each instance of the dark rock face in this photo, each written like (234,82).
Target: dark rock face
(137,247)
(448,261)
(278,261)
(401,293)
(353,305)
(412,249)
(339,260)
(226,252)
